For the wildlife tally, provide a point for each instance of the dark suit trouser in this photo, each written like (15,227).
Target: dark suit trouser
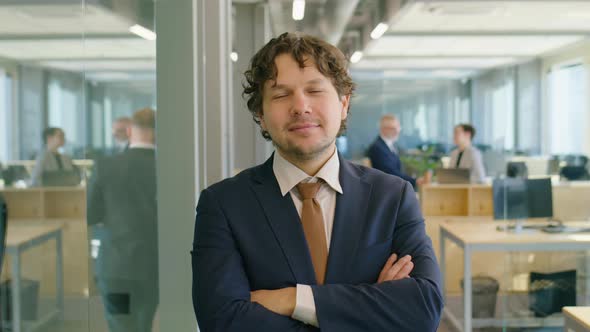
(130,305)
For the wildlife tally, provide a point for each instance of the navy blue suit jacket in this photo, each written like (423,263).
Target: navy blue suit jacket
(387,161)
(248,237)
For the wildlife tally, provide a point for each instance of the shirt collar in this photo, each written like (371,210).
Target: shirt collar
(289,175)
(388,141)
(142,146)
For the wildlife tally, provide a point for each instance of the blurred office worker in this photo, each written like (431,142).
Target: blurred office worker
(122,201)
(49,158)
(307,239)
(384,153)
(120,129)
(466,155)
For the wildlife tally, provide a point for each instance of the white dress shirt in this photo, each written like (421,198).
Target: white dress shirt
(288,176)
(142,146)
(390,144)
(471,160)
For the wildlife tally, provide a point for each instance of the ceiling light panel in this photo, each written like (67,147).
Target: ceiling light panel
(468,45)
(434,62)
(495,16)
(60,19)
(74,49)
(101,65)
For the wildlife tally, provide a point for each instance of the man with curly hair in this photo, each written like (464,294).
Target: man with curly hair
(308,241)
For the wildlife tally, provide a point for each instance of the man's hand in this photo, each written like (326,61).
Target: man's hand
(280,301)
(396,270)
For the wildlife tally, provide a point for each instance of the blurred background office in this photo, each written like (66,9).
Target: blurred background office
(85,66)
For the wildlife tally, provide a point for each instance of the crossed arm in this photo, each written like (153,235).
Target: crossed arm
(406,296)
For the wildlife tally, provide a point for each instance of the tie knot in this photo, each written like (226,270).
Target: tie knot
(308,190)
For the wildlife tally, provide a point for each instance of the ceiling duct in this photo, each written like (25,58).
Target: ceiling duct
(326,19)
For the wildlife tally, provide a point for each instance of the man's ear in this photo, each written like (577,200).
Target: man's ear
(261,120)
(345,100)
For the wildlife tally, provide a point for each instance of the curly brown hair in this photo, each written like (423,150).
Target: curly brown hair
(330,61)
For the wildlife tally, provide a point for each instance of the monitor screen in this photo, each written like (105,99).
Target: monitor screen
(517,198)
(510,198)
(540,198)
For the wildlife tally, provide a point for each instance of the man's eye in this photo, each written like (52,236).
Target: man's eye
(279,96)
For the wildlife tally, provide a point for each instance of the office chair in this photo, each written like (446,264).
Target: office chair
(517,169)
(576,160)
(575,173)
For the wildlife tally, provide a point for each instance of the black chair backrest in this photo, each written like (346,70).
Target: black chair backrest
(517,169)
(3,223)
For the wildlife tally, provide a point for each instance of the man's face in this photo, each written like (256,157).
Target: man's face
(302,111)
(390,128)
(460,137)
(120,131)
(57,140)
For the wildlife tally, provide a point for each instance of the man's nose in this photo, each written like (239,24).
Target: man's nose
(300,103)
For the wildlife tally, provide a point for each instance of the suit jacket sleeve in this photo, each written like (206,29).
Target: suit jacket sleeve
(38,169)
(383,162)
(221,291)
(412,304)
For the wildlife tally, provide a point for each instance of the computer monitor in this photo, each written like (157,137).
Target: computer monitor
(517,198)
(452,175)
(540,198)
(3,223)
(61,178)
(510,199)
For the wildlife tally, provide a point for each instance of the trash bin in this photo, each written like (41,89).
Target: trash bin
(484,295)
(29,299)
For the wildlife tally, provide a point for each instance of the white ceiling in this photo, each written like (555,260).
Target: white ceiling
(468,45)
(101,65)
(434,62)
(75,38)
(475,35)
(60,19)
(64,49)
(556,15)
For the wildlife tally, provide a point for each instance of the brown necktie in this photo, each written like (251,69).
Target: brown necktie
(313,227)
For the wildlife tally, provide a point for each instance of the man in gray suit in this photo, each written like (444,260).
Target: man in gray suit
(122,202)
(49,158)
(466,155)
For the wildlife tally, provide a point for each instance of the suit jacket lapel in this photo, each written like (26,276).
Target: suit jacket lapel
(284,222)
(349,220)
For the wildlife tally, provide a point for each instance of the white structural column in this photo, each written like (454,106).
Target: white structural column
(194,128)
(215,128)
(177,159)
(251,31)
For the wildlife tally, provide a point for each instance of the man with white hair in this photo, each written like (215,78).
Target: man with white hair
(384,154)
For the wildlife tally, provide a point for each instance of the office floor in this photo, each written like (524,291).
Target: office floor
(444,327)
(87,316)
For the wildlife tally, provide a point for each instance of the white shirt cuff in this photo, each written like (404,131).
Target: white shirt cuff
(305,306)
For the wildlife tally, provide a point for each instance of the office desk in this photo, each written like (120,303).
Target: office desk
(570,200)
(483,237)
(18,239)
(45,202)
(577,319)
